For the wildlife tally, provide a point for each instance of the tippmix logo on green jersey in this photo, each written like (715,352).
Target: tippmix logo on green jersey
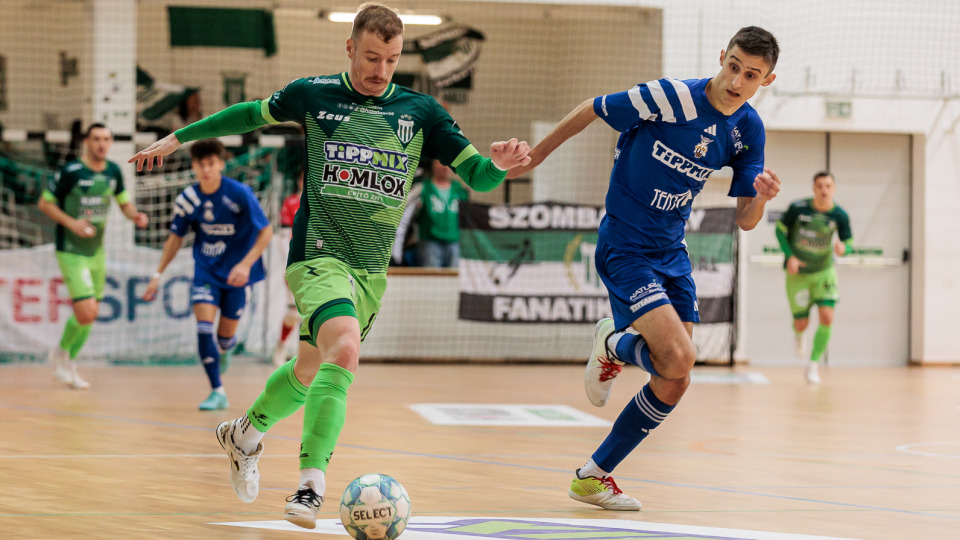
(364,173)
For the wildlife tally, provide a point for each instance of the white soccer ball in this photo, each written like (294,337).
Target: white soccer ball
(375,507)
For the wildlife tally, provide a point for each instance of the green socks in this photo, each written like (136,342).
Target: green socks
(282,396)
(74,336)
(324,415)
(820,340)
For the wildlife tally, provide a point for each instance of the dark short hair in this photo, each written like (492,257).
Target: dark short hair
(206,148)
(93,126)
(379,19)
(756,41)
(820,174)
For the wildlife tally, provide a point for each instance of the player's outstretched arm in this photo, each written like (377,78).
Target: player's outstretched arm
(578,119)
(485,174)
(750,209)
(159,149)
(233,120)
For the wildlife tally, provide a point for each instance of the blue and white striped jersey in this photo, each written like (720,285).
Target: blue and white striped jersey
(226,222)
(671,141)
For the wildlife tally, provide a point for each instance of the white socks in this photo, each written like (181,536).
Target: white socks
(246,436)
(591,469)
(316,477)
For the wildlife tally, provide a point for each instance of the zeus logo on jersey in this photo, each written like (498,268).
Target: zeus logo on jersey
(324,115)
(670,201)
(386,160)
(682,165)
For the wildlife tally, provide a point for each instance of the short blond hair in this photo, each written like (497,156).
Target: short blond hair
(379,19)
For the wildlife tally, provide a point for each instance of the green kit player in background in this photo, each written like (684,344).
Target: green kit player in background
(364,138)
(806,236)
(78,199)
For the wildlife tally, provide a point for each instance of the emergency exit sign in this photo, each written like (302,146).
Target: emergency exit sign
(839,109)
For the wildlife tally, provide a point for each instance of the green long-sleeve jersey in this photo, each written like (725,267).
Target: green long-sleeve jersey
(808,233)
(361,156)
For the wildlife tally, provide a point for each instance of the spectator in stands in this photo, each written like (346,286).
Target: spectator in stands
(434,205)
(78,199)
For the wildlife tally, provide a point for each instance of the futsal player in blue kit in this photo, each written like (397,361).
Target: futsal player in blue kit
(231,232)
(673,135)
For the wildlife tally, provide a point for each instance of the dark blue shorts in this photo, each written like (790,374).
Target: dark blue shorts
(207,289)
(637,283)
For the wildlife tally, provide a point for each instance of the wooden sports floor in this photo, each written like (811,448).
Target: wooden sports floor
(871,453)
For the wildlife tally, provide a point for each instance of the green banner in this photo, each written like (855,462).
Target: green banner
(535,263)
(222,27)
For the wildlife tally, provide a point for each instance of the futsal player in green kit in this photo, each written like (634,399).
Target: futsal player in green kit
(364,138)
(78,199)
(806,236)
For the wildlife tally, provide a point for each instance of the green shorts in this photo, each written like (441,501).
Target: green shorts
(325,288)
(805,290)
(83,275)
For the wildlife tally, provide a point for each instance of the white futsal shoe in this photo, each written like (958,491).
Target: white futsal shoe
(602,367)
(243,468)
(60,359)
(76,381)
(800,347)
(813,374)
(602,492)
(302,506)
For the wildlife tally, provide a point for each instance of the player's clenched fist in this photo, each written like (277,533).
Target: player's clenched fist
(767,184)
(509,154)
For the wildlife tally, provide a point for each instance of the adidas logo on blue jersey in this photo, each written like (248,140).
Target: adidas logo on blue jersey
(712,130)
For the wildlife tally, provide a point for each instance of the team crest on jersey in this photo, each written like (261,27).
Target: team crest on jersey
(700,150)
(208,211)
(405,129)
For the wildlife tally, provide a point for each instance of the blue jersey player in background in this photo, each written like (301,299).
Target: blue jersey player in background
(673,135)
(231,232)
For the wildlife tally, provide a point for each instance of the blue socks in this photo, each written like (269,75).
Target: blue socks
(643,413)
(632,349)
(209,354)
